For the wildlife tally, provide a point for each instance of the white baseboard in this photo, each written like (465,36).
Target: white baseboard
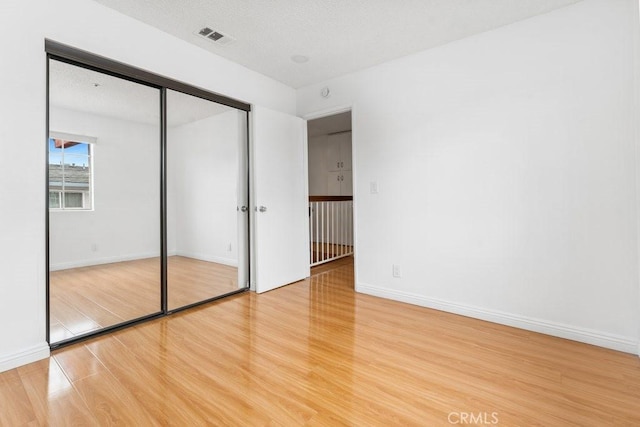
(33,354)
(108,260)
(209,258)
(588,336)
(100,261)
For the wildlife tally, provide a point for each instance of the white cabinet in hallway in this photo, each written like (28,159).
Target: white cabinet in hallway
(339,175)
(340,183)
(339,151)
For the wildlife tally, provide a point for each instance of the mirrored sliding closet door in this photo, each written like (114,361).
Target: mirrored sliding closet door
(104,201)
(207,218)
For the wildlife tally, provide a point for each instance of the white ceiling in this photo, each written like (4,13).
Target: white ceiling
(339,36)
(80,89)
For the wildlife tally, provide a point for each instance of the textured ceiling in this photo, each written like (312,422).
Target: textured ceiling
(339,36)
(80,89)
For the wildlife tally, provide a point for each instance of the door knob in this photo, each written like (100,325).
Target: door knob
(244,209)
(262,208)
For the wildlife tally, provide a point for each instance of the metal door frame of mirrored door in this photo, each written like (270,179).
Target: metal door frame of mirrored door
(80,58)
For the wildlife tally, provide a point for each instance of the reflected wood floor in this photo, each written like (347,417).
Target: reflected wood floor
(191,280)
(316,353)
(90,298)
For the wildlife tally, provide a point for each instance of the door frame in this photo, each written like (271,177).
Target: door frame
(332,111)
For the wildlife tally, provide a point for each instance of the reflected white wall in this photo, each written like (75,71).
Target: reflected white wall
(125,221)
(203,186)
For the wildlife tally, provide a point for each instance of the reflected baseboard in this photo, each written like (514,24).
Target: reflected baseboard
(203,257)
(121,258)
(100,261)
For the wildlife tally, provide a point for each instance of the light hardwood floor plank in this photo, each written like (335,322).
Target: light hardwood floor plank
(15,407)
(86,299)
(317,353)
(111,402)
(51,394)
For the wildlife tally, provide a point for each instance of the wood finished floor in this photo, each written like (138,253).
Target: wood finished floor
(316,353)
(90,298)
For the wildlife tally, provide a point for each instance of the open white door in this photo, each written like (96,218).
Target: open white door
(281,208)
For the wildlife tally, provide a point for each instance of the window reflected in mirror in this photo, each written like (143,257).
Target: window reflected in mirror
(70,174)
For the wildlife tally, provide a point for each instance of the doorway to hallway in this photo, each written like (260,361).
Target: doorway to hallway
(330,188)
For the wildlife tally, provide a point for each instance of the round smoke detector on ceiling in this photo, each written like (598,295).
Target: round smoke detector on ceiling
(300,59)
(325,92)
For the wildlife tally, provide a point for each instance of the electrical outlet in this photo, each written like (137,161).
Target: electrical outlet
(229,248)
(373,187)
(396,271)
(94,247)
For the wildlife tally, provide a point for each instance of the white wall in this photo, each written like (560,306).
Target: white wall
(23,27)
(203,177)
(125,221)
(506,171)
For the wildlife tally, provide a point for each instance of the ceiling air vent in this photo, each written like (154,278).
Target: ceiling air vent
(215,36)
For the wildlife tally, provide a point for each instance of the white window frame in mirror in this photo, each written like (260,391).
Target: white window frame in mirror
(87,196)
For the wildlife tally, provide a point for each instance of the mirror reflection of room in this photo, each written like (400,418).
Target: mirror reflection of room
(104,199)
(206,186)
